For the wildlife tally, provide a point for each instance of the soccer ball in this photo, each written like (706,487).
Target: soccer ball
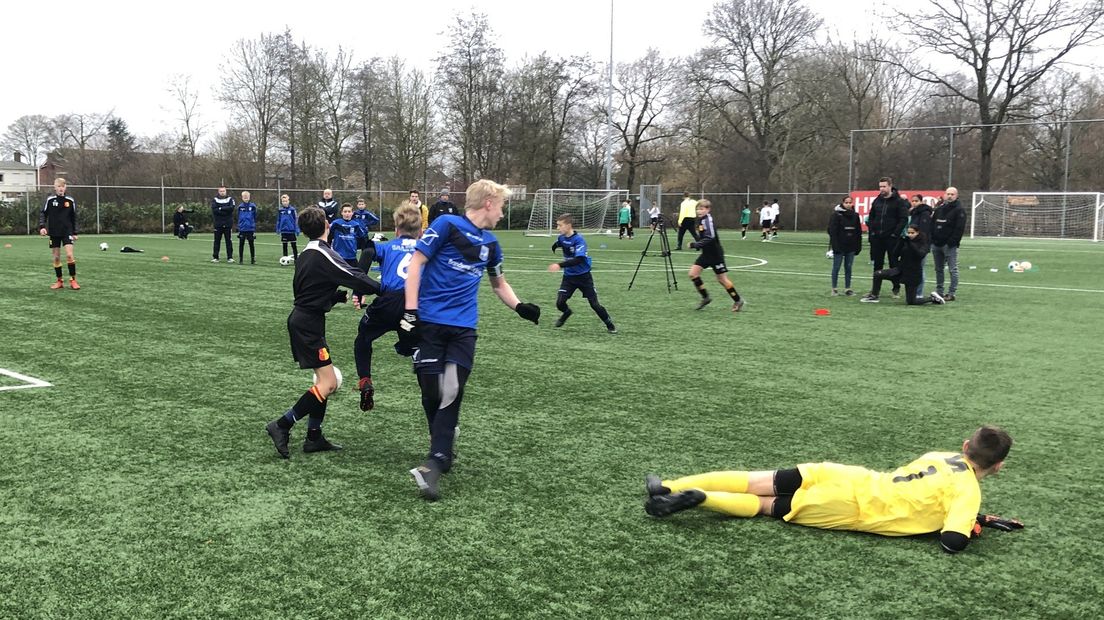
(829,254)
(103,247)
(1014,265)
(337,371)
(1026,266)
(287,260)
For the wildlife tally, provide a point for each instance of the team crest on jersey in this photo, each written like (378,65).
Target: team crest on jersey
(323,354)
(484,252)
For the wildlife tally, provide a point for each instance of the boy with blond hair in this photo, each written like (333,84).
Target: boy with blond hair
(58,220)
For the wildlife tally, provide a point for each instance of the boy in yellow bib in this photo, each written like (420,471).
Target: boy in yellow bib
(938,492)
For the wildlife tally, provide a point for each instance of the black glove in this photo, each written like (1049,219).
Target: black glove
(556,245)
(529,312)
(999,523)
(408,329)
(694,245)
(340,296)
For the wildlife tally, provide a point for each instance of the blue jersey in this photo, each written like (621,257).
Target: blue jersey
(394,259)
(366,218)
(287,221)
(247,217)
(575,246)
(457,253)
(345,236)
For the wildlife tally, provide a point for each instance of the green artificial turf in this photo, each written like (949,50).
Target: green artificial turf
(142,483)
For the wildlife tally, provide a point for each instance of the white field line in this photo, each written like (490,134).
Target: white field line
(29,382)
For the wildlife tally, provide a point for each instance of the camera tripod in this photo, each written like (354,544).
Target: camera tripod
(664,252)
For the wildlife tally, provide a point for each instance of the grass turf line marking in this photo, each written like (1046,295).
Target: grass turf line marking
(29,382)
(961,283)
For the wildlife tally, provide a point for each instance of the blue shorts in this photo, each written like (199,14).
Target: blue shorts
(442,344)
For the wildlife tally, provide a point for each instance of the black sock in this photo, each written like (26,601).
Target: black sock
(72,269)
(295,250)
(732,293)
(57,270)
(698,284)
(285,248)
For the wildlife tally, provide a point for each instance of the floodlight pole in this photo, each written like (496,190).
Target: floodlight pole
(950,158)
(850,166)
(609,107)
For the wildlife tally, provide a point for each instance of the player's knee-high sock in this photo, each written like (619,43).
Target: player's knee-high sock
(732,504)
(362,353)
(295,250)
(241,249)
(732,293)
(431,396)
(561,303)
(72,268)
(698,284)
(57,269)
(443,429)
(252,256)
(727,481)
(601,312)
(285,249)
(311,403)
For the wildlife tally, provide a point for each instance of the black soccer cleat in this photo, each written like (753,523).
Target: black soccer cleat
(427,475)
(665,505)
(563,318)
(367,394)
(279,437)
(654,485)
(320,445)
(704,302)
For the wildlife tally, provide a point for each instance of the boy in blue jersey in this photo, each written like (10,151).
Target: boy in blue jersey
(247,227)
(346,235)
(386,310)
(366,218)
(287,224)
(442,291)
(576,270)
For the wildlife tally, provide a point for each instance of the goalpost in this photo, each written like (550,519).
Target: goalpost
(595,210)
(1041,215)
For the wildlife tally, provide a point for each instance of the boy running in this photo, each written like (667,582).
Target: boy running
(58,220)
(712,255)
(576,270)
(318,273)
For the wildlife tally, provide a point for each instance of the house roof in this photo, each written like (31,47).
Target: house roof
(8,164)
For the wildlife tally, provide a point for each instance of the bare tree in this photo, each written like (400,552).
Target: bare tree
(185,104)
(30,136)
(365,106)
(406,123)
(1007,46)
(335,81)
(1041,152)
(83,131)
(250,85)
(642,93)
(747,72)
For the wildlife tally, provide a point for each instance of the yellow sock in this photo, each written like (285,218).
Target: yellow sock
(733,504)
(729,481)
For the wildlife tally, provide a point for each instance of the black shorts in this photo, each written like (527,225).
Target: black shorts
(714,259)
(247,234)
(57,242)
(442,344)
(288,237)
(655,219)
(582,282)
(308,339)
(766,223)
(383,315)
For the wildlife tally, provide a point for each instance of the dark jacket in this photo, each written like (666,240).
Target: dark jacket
(222,211)
(845,231)
(888,216)
(910,258)
(948,224)
(59,216)
(922,217)
(442,207)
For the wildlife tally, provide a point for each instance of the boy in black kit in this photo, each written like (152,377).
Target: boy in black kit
(318,273)
(58,220)
(712,255)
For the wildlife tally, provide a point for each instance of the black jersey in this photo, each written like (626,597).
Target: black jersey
(707,235)
(331,207)
(59,216)
(319,271)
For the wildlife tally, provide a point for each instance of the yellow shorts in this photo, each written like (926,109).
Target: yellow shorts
(826,498)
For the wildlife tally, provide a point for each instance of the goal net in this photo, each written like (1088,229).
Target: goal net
(594,210)
(1042,215)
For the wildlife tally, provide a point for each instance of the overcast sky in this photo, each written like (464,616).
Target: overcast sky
(70,56)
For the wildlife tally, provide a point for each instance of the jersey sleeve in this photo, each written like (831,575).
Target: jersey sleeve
(42,214)
(963,507)
(494,264)
(73,215)
(432,239)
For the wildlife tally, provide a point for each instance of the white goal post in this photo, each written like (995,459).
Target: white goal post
(1039,215)
(594,210)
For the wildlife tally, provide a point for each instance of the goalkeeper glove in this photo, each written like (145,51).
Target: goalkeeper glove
(340,296)
(408,328)
(999,523)
(529,312)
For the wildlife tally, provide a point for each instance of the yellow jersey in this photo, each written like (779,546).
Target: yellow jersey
(688,209)
(937,492)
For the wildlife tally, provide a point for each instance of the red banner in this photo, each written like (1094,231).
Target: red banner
(863,200)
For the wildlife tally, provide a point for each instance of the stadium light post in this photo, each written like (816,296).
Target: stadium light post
(609,106)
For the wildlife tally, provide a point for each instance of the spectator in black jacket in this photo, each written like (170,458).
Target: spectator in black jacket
(910,255)
(443,206)
(181,227)
(920,213)
(845,235)
(885,223)
(948,224)
(222,212)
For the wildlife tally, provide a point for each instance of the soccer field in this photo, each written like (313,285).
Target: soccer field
(141,483)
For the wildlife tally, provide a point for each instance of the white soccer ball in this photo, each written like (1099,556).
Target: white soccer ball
(829,254)
(1014,265)
(337,371)
(103,247)
(287,260)
(1026,265)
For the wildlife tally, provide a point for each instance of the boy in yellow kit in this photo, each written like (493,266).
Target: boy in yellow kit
(937,492)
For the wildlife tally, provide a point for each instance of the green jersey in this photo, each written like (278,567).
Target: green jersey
(745,216)
(624,215)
